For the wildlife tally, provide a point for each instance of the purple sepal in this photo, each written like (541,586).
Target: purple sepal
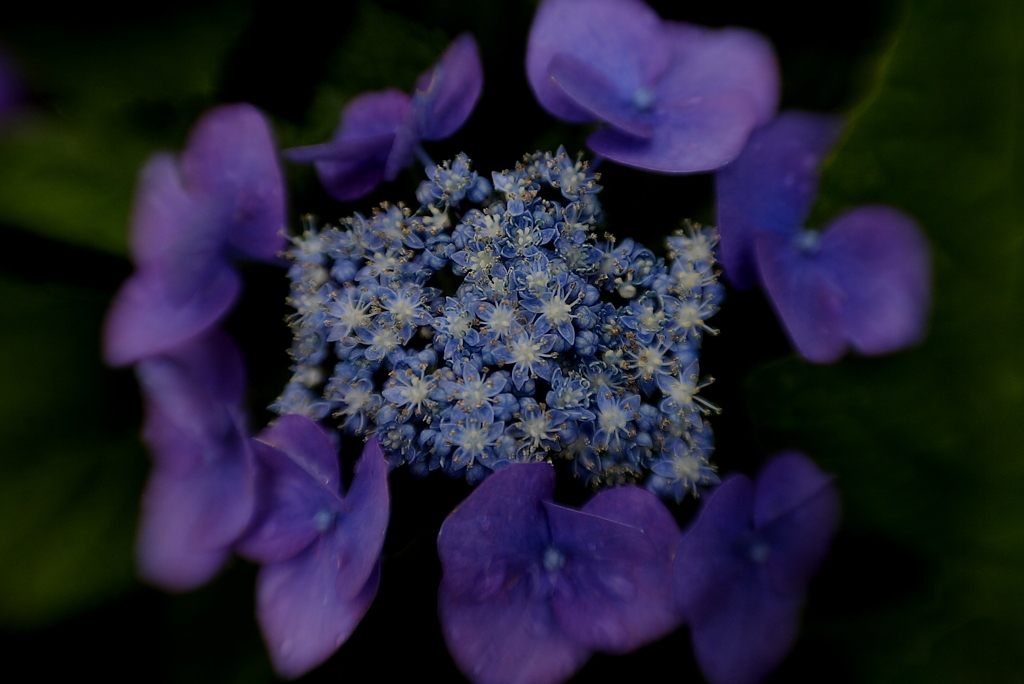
(678,98)
(352,163)
(321,551)
(882,263)
(225,196)
(480,535)
(231,162)
(301,616)
(798,506)
(622,40)
(531,588)
(290,500)
(200,496)
(380,131)
(174,237)
(495,616)
(505,636)
(615,591)
(866,283)
(808,303)
(445,97)
(639,508)
(698,134)
(748,635)
(595,92)
(742,567)
(145,319)
(727,59)
(770,186)
(310,449)
(450,89)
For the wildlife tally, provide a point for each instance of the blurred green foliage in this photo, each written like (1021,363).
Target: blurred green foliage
(70,471)
(112,96)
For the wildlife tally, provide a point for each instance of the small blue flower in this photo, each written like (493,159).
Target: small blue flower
(455,322)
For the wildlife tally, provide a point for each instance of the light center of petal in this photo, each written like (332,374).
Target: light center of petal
(554,560)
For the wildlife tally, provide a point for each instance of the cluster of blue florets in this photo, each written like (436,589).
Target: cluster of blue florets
(468,338)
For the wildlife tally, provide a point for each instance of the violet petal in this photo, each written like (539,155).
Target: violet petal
(502,518)
(507,635)
(193,403)
(621,39)
(292,501)
(175,237)
(359,534)
(614,592)
(445,97)
(749,633)
(200,496)
(188,523)
(494,599)
(231,160)
(797,508)
(729,59)
(145,320)
(866,283)
(770,186)
(596,93)
(741,586)
(639,508)
(808,302)
(352,164)
(450,89)
(346,181)
(407,137)
(308,446)
(365,146)
(740,629)
(700,135)
(787,481)
(882,263)
(302,618)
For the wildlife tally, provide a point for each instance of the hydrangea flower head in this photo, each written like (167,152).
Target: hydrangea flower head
(674,97)
(379,131)
(863,281)
(223,197)
(470,337)
(202,491)
(742,568)
(320,551)
(531,588)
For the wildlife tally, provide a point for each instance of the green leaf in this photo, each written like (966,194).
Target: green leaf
(927,443)
(115,96)
(71,466)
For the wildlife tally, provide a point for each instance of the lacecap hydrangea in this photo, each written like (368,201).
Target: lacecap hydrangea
(495,325)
